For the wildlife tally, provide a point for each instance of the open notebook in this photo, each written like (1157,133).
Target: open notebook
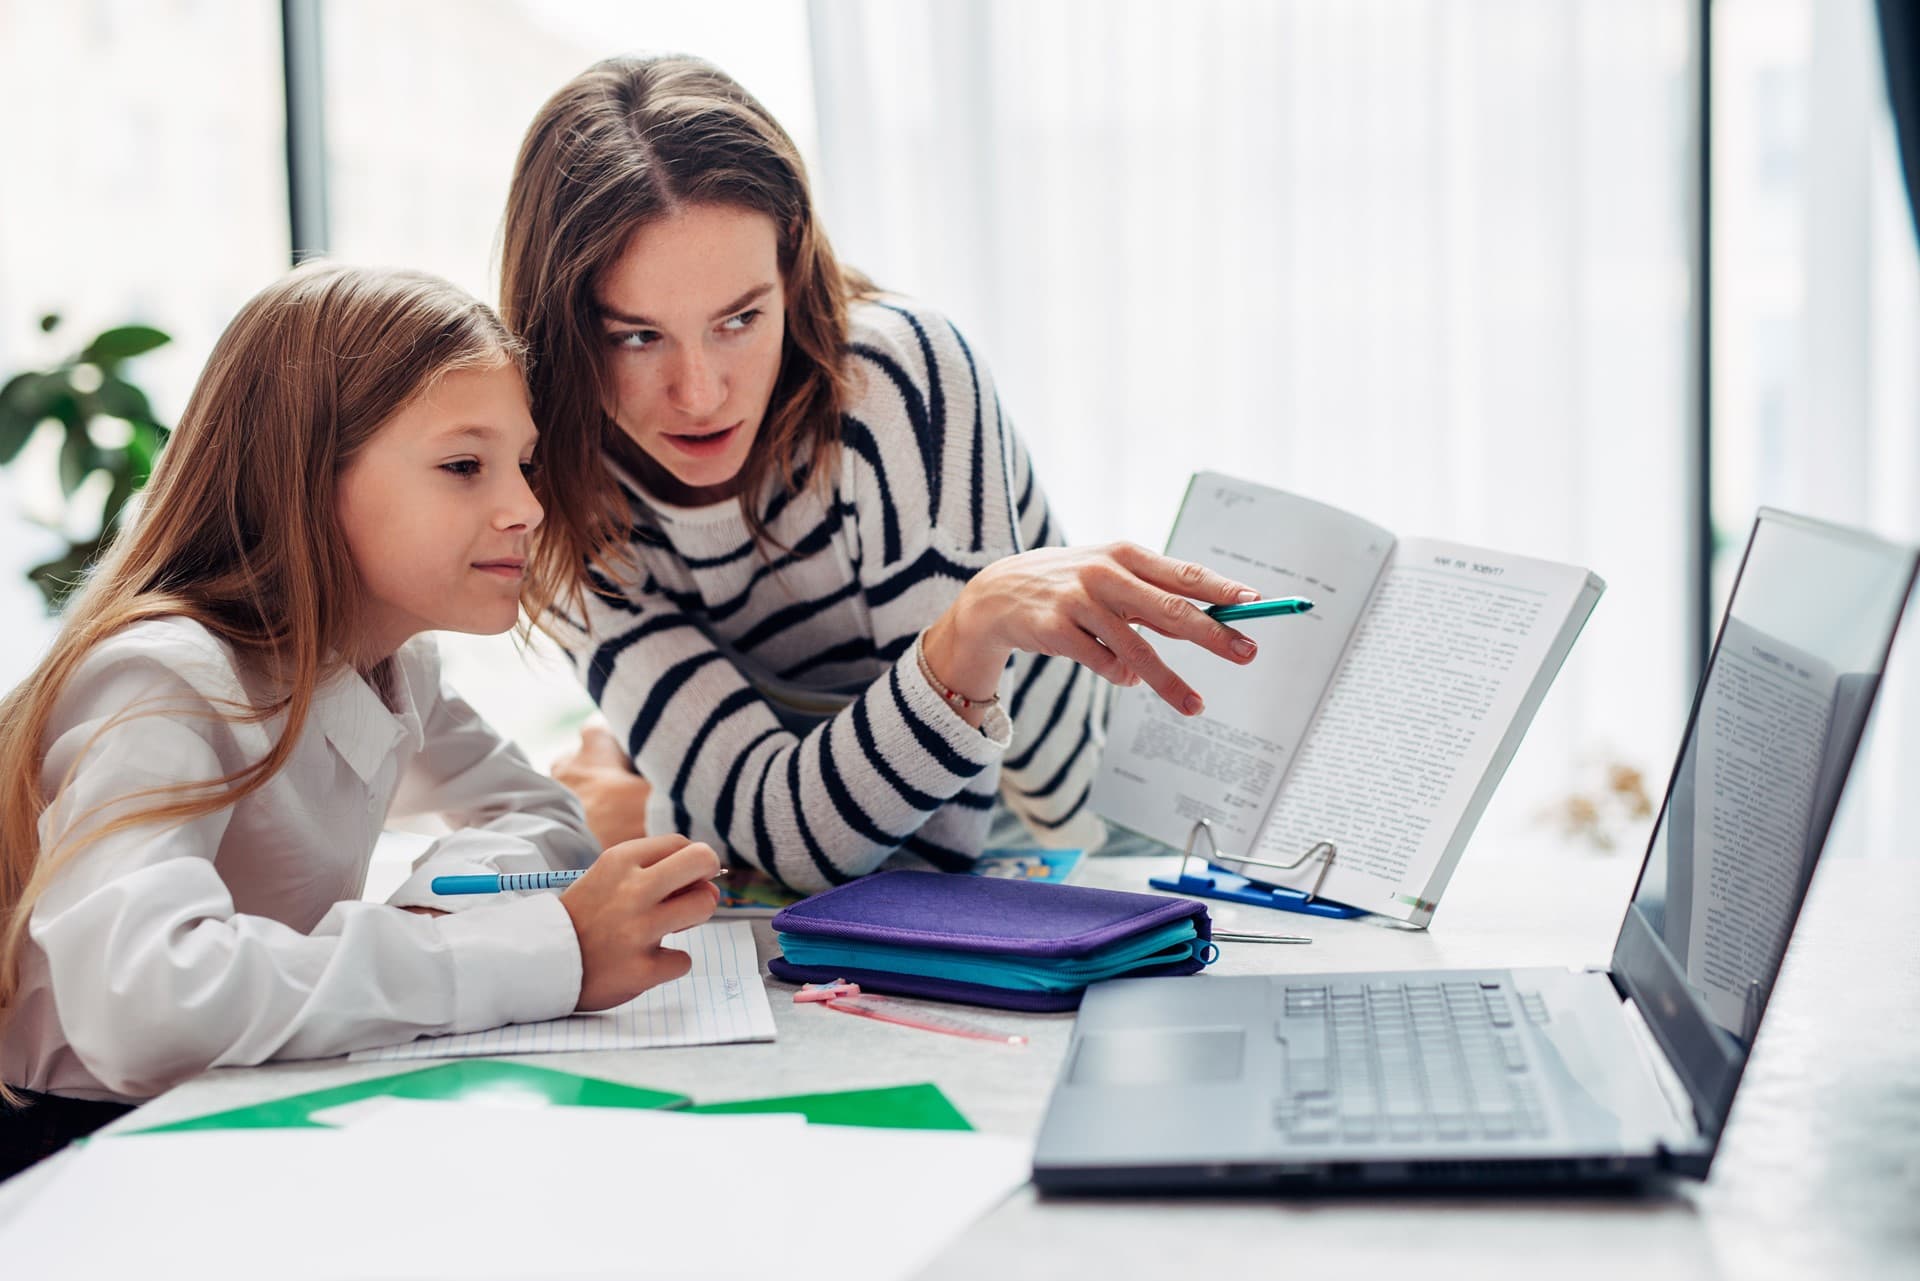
(722,999)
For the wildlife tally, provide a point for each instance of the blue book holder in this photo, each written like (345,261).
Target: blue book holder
(1218,883)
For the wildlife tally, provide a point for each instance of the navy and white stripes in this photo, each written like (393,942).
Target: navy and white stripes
(773,695)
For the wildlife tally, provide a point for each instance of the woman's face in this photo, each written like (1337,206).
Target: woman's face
(693,313)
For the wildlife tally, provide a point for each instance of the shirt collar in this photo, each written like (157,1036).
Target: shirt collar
(358,722)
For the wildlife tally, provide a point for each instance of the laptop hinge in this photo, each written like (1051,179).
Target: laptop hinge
(1678,1101)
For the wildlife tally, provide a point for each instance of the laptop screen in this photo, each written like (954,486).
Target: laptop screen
(1768,746)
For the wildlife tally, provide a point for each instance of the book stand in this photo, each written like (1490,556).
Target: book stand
(1218,882)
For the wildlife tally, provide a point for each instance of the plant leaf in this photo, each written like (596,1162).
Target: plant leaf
(27,394)
(59,578)
(142,448)
(78,457)
(120,398)
(122,489)
(15,429)
(119,344)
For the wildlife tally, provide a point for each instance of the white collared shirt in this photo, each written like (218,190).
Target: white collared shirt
(164,950)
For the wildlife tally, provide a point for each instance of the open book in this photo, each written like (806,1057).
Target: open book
(1381,721)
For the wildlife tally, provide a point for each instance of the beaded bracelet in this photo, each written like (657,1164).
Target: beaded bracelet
(958,701)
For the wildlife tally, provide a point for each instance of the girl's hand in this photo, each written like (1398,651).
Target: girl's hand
(1080,603)
(635,894)
(614,797)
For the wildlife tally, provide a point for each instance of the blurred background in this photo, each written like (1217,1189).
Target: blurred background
(1584,279)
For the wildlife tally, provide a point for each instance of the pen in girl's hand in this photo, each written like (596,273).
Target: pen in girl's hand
(500,884)
(1259,609)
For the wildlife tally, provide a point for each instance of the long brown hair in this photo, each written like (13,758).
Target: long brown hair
(628,141)
(237,532)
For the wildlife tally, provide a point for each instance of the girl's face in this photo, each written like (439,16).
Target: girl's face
(437,513)
(693,313)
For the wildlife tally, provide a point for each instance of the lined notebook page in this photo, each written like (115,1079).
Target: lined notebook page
(722,999)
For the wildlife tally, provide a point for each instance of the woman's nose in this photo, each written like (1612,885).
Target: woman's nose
(697,389)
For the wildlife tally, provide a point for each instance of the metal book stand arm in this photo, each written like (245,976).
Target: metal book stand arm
(1324,849)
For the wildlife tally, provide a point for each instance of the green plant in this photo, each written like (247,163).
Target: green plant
(107,426)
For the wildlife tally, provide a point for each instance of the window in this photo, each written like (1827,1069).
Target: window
(146,182)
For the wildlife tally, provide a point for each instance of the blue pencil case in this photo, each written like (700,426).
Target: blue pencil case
(1019,945)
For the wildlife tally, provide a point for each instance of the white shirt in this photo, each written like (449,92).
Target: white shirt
(164,950)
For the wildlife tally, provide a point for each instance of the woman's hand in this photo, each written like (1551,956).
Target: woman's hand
(614,797)
(635,894)
(1080,603)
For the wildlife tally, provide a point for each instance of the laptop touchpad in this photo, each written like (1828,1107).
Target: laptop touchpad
(1171,1057)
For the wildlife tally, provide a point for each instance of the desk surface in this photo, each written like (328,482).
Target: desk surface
(1819,1173)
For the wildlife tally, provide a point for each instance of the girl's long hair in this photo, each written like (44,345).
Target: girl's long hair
(628,141)
(237,532)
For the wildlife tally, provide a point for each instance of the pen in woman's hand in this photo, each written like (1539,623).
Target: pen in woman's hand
(1259,609)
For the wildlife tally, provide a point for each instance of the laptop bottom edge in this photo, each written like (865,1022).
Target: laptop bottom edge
(1533,1174)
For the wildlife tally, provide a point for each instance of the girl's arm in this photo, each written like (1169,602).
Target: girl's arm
(157,977)
(507,815)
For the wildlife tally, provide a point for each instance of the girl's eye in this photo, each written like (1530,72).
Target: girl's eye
(742,321)
(633,339)
(530,469)
(465,468)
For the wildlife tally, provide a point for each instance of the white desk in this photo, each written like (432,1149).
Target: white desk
(1819,1175)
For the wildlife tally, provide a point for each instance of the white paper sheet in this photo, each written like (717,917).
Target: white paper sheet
(427,1119)
(556,1193)
(723,999)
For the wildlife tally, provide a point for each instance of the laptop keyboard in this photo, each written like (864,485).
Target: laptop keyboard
(1407,1062)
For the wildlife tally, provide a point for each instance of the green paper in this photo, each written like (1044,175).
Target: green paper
(467,1079)
(896,1107)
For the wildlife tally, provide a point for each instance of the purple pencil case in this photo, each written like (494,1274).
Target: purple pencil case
(1017,945)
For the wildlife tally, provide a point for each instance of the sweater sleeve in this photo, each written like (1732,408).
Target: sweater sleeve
(966,462)
(811,810)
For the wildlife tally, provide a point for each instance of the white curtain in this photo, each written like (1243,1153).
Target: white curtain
(1817,326)
(1423,259)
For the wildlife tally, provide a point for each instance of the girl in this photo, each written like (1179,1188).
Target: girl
(826,613)
(196,773)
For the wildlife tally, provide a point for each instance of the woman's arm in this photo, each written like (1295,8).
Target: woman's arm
(813,810)
(1026,594)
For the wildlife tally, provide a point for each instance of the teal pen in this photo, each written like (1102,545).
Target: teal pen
(1259,609)
(502,883)
(514,881)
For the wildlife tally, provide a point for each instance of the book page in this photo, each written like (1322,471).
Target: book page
(1761,736)
(1456,646)
(1162,771)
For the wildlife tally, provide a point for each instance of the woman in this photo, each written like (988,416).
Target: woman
(824,609)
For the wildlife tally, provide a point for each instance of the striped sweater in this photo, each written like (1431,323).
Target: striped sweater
(773,695)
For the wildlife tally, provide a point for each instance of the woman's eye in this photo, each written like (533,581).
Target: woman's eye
(634,339)
(530,469)
(742,321)
(465,468)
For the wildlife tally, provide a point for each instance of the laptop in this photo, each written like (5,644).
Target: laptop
(1339,1081)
